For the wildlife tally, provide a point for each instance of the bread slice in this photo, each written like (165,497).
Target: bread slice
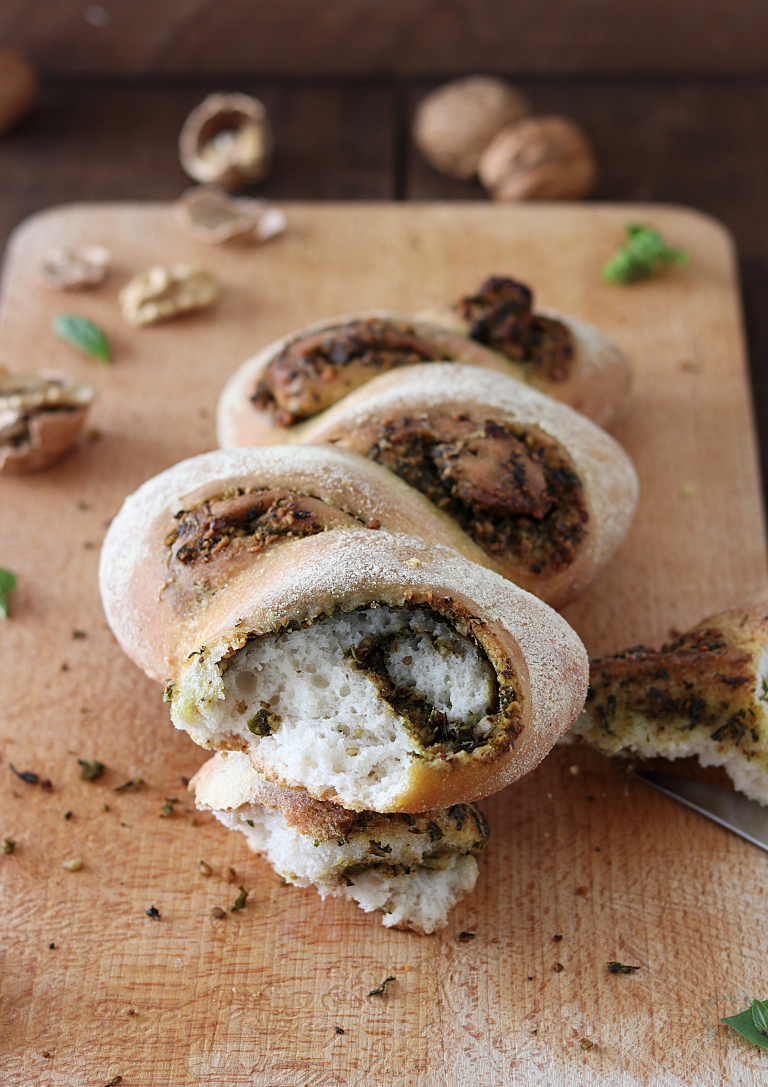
(705,694)
(412,868)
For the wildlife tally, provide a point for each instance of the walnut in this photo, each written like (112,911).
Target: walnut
(160,293)
(211,215)
(18,88)
(74,269)
(541,158)
(227,140)
(41,417)
(455,123)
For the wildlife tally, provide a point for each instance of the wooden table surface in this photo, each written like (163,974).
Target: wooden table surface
(582,867)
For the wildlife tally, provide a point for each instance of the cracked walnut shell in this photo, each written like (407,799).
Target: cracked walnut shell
(211,215)
(41,417)
(455,123)
(227,140)
(75,269)
(541,158)
(160,293)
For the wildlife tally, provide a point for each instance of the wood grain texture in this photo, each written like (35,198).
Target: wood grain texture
(302,37)
(617,870)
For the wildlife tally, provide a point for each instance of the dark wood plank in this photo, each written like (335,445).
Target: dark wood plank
(408,37)
(699,144)
(120,143)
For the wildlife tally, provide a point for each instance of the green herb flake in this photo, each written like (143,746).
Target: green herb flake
(381,989)
(620,968)
(91,769)
(134,783)
(7,845)
(240,902)
(114,1081)
(153,913)
(8,582)
(84,335)
(746,1023)
(29,777)
(586,1043)
(168,693)
(644,254)
(339,1030)
(167,809)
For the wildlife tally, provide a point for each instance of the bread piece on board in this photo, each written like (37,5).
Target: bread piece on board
(414,868)
(546,493)
(705,694)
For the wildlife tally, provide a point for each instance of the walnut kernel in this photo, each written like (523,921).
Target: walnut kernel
(74,269)
(160,293)
(211,215)
(455,123)
(227,140)
(540,158)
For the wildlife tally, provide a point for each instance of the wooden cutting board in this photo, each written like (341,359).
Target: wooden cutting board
(91,987)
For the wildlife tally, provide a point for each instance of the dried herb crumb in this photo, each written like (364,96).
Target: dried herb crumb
(51,947)
(168,693)
(558,968)
(557,938)
(153,913)
(529,977)
(114,1081)
(204,869)
(91,769)
(77,634)
(465,936)
(167,809)
(620,968)
(582,890)
(134,783)
(586,1043)
(67,814)
(240,901)
(8,582)
(27,776)
(73,865)
(184,780)
(381,989)
(7,845)
(104,807)
(218,913)
(339,1030)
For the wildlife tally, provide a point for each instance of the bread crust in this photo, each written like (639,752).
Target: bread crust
(608,479)
(348,569)
(154,608)
(241,423)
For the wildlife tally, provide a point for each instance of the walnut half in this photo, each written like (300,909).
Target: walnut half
(227,140)
(160,293)
(40,419)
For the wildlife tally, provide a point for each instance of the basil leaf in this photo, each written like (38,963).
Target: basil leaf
(644,253)
(760,1015)
(7,583)
(83,334)
(744,1024)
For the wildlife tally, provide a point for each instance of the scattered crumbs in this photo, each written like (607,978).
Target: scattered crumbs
(408,968)
(46,1053)
(204,869)
(413,563)
(374,525)
(104,807)
(687,490)
(574,770)
(192,821)
(586,1043)
(74,864)
(558,968)
(78,634)
(130,1011)
(64,667)
(620,968)
(381,989)
(93,433)
(51,947)
(91,769)
(82,505)
(557,938)
(582,890)
(46,785)
(218,913)
(154,913)
(228,874)
(529,977)
(67,814)
(7,845)
(123,824)
(114,1081)
(240,901)
(465,936)
(27,776)
(88,545)
(184,780)
(339,1030)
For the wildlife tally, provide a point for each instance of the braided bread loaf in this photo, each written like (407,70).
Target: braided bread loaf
(361,664)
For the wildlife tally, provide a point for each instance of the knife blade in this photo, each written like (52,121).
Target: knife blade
(731,810)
